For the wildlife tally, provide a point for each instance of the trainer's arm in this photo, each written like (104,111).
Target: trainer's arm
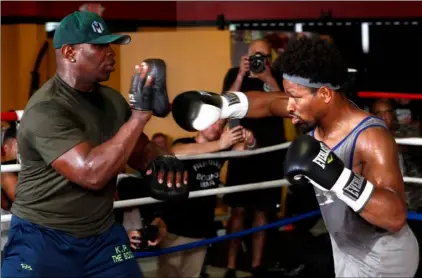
(144,152)
(377,151)
(92,167)
(263,104)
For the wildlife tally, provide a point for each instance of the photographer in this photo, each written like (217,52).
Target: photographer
(193,219)
(255,74)
(145,229)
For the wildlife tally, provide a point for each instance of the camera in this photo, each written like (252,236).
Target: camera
(257,62)
(148,233)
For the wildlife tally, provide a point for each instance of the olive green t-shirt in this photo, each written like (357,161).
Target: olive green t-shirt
(56,119)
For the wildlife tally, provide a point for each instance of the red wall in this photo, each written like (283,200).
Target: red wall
(202,10)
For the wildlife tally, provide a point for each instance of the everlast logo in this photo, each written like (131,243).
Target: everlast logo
(322,156)
(231,98)
(354,189)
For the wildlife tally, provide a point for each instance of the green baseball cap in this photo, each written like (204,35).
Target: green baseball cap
(85,27)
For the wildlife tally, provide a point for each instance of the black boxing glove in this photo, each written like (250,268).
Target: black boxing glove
(198,110)
(160,191)
(154,97)
(312,160)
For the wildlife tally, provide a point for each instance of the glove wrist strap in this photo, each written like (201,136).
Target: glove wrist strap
(235,105)
(353,189)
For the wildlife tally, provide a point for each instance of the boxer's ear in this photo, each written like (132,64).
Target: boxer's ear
(326,94)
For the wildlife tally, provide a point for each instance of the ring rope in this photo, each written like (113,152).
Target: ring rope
(283,222)
(12,116)
(389,95)
(194,194)
(209,192)
(401,141)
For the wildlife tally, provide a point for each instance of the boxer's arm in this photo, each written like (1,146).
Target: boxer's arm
(377,152)
(262,104)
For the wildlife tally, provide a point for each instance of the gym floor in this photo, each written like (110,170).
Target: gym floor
(149,267)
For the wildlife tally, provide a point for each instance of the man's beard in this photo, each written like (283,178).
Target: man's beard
(306,127)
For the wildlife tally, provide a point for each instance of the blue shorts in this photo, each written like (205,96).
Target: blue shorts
(36,251)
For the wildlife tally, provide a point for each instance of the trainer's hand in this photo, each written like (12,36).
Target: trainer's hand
(308,159)
(231,137)
(167,178)
(198,110)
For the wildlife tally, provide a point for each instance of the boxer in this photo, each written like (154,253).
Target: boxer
(349,157)
(75,137)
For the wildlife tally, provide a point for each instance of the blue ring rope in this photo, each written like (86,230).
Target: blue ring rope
(199,243)
(282,222)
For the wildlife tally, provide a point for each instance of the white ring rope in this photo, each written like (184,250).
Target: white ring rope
(193,194)
(400,141)
(224,190)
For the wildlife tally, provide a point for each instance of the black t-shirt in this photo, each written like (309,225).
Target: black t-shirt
(267,131)
(195,217)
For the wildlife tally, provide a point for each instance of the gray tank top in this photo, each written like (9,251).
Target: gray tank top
(361,249)
(344,225)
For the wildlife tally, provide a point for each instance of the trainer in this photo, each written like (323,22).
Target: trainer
(74,138)
(349,157)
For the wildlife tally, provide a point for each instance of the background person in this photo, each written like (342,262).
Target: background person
(193,220)
(255,205)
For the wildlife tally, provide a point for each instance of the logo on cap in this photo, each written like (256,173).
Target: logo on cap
(97,27)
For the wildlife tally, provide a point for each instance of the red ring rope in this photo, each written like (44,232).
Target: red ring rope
(389,95)
(9,116)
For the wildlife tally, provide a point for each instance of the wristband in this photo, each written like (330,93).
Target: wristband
(353,189)
(235,105)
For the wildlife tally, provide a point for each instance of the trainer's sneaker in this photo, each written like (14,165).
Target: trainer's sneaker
(230,273)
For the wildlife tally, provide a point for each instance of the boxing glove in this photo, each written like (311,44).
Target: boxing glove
(151,98)
(198,110)
(312,160)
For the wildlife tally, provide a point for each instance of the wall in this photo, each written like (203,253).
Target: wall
(20,45)
(189,64)
(186,52)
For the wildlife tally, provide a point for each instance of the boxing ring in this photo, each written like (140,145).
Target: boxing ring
(16,116)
